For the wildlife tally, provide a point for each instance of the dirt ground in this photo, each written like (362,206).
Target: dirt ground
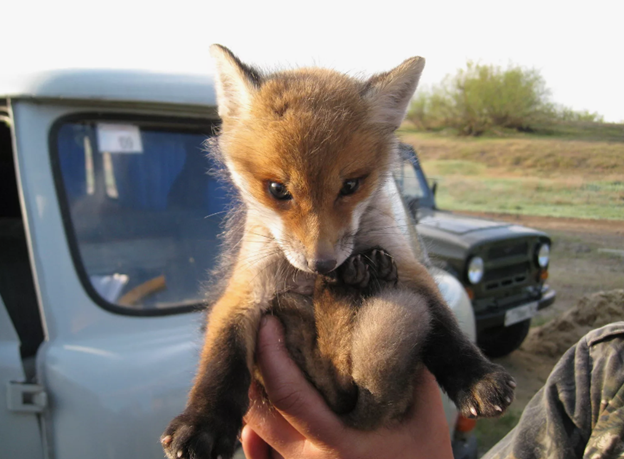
(587,257)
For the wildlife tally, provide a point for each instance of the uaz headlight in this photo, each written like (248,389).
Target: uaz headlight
(475,270)
(543,255)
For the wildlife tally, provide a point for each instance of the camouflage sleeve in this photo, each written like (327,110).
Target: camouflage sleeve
(579,413)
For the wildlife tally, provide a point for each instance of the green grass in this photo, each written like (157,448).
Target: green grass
(454,167)
(491,431)
(540,320)
(532,196)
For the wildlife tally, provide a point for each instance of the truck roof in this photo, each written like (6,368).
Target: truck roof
(111,85)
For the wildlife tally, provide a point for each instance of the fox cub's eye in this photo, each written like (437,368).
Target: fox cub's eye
(349,187)
(279,191)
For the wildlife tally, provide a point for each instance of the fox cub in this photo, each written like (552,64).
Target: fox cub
(310,152)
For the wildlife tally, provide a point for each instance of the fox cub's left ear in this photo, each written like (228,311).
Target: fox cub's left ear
(390,93)
(236,82)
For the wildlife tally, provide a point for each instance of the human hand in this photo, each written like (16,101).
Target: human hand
(302,426)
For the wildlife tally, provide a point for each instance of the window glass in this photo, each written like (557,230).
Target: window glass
(408,181)
(412,183)
(145,213)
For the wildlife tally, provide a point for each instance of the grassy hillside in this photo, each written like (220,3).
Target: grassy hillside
(576,171)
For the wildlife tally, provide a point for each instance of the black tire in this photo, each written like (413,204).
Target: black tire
(501,341)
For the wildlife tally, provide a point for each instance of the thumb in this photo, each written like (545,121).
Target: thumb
(289,391)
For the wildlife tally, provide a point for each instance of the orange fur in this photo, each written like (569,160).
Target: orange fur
(312,146)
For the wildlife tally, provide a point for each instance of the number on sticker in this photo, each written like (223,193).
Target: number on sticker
(119,138)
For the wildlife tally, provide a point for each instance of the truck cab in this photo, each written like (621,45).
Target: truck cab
(109,228)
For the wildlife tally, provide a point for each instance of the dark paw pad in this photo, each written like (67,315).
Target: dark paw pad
(355,272)
(383,267)
(369,271)
(489,395)
(194,437)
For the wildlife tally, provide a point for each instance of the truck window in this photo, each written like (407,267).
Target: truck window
(142,211)
(413,185)
(408,181)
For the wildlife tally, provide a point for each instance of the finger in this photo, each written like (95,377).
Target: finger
(253,445)
(270,425)
(300,404)
(427,397)
(428,419)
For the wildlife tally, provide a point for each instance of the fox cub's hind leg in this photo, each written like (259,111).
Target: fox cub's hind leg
(386,331)
(322,360)
(355,340)
(318,331)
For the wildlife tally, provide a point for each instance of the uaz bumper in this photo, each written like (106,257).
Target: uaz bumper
(497,318)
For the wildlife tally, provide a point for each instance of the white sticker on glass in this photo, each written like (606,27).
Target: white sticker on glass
(119,138)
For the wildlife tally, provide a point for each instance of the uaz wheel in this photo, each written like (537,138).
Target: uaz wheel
(501,341)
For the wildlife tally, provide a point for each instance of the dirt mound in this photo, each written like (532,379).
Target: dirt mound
(592,311)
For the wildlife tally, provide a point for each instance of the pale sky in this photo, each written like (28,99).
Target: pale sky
(577,46)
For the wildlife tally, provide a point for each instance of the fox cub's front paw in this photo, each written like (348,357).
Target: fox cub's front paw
(369,271)
(193,436)
(488,395)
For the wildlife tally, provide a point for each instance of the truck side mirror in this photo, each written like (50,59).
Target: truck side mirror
(434,188)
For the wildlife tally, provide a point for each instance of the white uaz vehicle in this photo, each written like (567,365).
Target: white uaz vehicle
(109,225)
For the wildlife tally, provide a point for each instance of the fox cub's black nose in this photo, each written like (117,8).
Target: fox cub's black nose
(322,266)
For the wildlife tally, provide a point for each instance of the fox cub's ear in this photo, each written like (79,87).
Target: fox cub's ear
(236,82)
(391,92)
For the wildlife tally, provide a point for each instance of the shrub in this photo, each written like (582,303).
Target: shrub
(481,97)
(430,110)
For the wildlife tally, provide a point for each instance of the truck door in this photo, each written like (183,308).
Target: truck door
(20,435)
(21,397)
(123,223)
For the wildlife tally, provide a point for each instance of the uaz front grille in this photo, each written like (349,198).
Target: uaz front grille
(506,276)
(504,251)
